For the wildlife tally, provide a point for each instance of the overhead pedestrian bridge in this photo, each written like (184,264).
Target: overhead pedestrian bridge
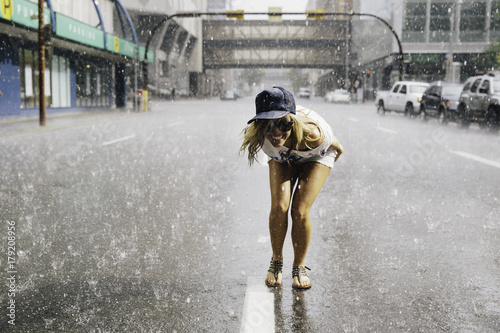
(297,43)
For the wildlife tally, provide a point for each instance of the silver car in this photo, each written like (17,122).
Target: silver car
(304,93)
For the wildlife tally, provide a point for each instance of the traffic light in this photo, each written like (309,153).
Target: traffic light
(237,14)
(47,30)
(144,66)
(275,14)
(316,14)
(368,72)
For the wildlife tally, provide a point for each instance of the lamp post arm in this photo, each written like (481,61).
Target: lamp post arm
(400,46)
(145,77)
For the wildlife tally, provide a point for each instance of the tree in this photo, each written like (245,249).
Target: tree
(251,75)
(489,60)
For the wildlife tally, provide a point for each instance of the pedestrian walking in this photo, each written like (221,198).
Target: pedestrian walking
(173,93)
(301,149)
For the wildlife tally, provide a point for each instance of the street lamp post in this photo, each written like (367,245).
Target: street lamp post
(347,43)
(41,63)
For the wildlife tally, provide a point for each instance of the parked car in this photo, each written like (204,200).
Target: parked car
(238,93)
(440,100)
(338,96)
(228,95)
(304,92)
(480,101)
(404,96)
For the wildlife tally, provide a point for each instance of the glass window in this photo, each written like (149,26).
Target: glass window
(27,72)
(60,74)
(92,83)
(440,15)
(496,85)
(433,91)
(30,79)
(414,21)
(452,90)
(440,21)
(415,24)
(417,8)
(473,21)
(485,87)
(22,78)
(495,20)
(475,85)
(82,83)
(417,89)
(467,86)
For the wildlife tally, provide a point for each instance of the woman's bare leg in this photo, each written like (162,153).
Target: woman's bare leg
(281,182)
(311,179)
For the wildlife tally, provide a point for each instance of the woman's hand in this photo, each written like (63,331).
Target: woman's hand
(337,147)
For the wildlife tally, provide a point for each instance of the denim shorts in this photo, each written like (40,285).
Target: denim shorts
(328,159)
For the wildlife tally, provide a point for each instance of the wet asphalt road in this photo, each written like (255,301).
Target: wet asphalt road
(150,222)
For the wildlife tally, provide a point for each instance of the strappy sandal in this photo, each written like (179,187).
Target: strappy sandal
(299,271)
(275,267)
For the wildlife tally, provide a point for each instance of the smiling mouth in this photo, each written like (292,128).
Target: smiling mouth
(278,137)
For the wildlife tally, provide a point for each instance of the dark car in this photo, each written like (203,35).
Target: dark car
(440,100)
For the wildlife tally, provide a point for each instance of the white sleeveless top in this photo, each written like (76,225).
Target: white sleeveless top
(279,153)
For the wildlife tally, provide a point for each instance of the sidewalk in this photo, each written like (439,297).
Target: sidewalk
(16,127)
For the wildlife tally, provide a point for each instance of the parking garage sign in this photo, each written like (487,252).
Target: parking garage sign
(22,12)
(80,32)
(6,8)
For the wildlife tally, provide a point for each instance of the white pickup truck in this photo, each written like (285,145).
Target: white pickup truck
(404,96)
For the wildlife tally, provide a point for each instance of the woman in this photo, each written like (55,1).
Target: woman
(301,149)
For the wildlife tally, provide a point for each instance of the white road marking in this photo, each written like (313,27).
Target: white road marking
(258,311)
(118,140)
(175,124)
(476,158)
(352,119)
(386,130)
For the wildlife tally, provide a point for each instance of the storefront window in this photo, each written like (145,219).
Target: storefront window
(30,79)
(61,88)
(26,65)
(22,78)
(92,81)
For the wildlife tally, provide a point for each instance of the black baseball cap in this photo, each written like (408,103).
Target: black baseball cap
(273,103)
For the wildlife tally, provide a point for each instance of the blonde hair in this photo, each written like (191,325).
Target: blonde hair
(253,135)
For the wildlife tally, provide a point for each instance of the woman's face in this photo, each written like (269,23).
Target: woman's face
(274,134)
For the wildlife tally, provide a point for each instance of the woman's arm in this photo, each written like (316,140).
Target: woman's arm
(338,147)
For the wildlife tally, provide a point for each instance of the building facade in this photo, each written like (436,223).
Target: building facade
(91,57)
(441,40)
(437,34)
(177,44)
